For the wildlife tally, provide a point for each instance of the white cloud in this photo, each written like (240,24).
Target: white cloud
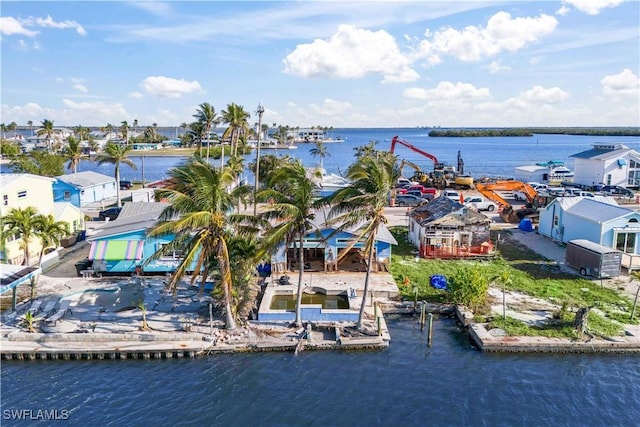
(157,8)
(80,87)
(496,67)
(447,91)
(49,22)
(10,26)
(350,53)
(541,95)
(592,7)
(406,76)
(625,83)
(502,33)
(330,107)
(167,87)
(135,95)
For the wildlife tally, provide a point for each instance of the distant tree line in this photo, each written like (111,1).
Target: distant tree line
(613,131)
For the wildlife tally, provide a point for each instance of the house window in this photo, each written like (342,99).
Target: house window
(169,254)
(626,242)
(608,179)
(67,195)
(555,220)
(104,186)
(5,199)
(22,194)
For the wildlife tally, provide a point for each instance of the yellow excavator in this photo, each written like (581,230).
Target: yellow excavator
(419,176)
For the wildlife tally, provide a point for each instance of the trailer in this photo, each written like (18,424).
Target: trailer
(593,259)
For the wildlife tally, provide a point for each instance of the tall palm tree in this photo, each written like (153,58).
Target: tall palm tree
(207,116)
(50,232)
(124,131)
(116,154)
(199,216)
(47,131)
(362,205)
(73,153)
(292,213)
(23,222)
(320,150)
(237,120)
(108,129)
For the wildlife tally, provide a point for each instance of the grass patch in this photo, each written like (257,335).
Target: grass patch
(528,273)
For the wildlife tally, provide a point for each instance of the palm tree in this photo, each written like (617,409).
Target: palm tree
(320,150)
(124,131)
(116,154)
(362,205)
(206,115)
(108,129)
(30,123)
(293,212)
(23,222)
(50,232)
(237,119)
(47,131)
(73,152)
(199,216)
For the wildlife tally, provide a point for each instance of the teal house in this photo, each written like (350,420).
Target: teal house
(124,244)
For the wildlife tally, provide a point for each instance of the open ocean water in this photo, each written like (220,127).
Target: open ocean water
(409,384)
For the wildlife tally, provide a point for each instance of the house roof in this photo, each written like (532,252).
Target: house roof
(597,211)
(10,178)
(567,202)
(320,222)
(60,207)
(604,152)
(134,216)
(446,212)
(13,275)
(86,179)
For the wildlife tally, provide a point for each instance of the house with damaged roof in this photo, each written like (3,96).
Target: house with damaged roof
(446,229)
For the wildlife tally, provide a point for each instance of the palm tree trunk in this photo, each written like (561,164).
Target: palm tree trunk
(231,323)
(301,270)
(366,282)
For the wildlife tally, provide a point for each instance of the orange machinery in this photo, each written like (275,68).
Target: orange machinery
(508,214)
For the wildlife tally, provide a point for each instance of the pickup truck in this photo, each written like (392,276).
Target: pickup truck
(480,204)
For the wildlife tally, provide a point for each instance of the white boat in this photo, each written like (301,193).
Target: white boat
(551,172)
(328,183)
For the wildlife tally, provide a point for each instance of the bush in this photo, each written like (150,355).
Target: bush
(469,287)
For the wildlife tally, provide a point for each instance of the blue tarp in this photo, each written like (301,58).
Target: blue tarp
(526,224)
(438,281)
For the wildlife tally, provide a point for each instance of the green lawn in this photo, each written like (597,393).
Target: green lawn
(528,273)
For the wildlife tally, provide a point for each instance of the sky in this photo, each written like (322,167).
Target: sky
(323,63)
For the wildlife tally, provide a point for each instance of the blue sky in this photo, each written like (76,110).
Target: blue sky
(328,63)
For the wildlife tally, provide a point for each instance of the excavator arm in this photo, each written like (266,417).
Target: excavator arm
(490,191)
(397,140)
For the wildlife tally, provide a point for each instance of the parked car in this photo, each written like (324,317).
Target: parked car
(616,190)
(451,194)
(418,193)
(480,204)
(111,213)
(125,185)
(409,200)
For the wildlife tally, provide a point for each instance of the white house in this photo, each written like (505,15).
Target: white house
(609,164)
(597,219)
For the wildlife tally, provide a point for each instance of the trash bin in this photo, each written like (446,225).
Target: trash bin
(82,265)
(82,234)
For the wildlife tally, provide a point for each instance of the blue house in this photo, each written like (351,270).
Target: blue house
(123,244)
(338,252)
(83,188)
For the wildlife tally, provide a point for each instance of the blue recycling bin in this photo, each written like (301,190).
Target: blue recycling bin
(438,281)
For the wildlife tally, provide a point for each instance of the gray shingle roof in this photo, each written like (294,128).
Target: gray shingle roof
(446,212)
(597,211)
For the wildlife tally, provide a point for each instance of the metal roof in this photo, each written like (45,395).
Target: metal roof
(603,153)
(86,179)
(133,217)
(9,178)
(322,215)
(597,211)
(444,211)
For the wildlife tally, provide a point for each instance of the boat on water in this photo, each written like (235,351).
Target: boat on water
(312,136)
(551,172)
(270,144)
(327,183)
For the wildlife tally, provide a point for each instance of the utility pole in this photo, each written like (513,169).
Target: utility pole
(260,111)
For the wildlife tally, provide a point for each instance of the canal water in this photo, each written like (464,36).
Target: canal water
(409,384)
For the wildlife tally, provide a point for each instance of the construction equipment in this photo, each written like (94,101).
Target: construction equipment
(507,213)
(443,176)
(418,176)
